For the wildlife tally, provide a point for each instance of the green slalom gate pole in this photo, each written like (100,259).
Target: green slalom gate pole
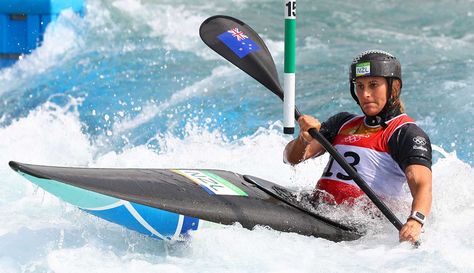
(289,69)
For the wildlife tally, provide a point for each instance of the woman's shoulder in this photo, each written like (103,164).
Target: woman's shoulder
(411,130)
(332,125)
(404,124)
(410,145)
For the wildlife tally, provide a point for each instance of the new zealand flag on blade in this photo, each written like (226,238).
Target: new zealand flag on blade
(238,42)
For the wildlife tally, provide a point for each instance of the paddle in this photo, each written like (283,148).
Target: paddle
(257,61)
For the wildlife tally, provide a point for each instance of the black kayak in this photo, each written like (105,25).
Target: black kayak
(167,203)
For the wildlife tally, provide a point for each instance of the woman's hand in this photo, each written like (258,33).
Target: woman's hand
(411,231)
(303,147)
(307,122)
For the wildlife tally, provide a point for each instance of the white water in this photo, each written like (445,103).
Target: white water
(41,234)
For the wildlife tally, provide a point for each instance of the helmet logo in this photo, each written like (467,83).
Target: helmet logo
(362,69)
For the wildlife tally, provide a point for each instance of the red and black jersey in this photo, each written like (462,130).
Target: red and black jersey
(380,155)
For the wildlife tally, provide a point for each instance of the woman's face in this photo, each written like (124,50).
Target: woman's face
(372,94)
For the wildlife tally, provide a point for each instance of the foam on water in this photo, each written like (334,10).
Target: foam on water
(132,47)
(180,35)
(42,233)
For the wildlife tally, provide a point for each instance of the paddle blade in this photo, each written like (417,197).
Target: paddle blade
(242,46)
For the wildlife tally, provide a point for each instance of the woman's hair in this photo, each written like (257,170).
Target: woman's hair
(396,90)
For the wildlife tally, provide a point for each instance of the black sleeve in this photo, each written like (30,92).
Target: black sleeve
(410,145)
(330,127)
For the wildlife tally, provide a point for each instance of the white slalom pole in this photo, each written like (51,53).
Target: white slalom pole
(290,63)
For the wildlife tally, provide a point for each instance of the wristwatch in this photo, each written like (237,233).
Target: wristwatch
(418,216)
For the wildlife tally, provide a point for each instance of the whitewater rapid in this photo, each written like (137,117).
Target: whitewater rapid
(41,233)
(131,85)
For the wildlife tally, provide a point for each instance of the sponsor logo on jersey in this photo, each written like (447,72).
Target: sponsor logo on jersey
(211,183)
(419,140)
(354,138)
(415,147)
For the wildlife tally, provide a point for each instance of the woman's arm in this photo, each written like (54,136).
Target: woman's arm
(304,146)
(419,180)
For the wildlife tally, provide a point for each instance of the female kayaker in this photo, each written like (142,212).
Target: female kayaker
(384,145)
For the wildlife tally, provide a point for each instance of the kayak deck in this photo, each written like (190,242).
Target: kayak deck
(166,203)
